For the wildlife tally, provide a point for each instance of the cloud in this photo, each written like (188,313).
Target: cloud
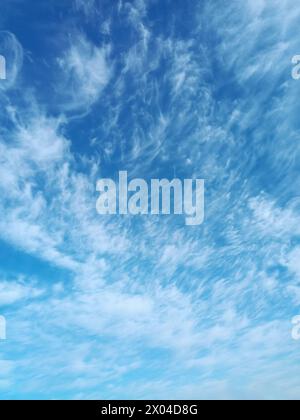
(87,71)
(15,291)
(87,6)
(293,262)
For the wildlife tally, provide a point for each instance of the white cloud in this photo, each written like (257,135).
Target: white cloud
(15,291)
(293,262)
(87,71)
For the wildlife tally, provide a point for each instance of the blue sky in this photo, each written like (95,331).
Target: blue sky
(147,307)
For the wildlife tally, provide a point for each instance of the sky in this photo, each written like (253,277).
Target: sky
(145,307)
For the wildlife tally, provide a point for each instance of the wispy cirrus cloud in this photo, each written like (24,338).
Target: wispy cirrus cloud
(86,72)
